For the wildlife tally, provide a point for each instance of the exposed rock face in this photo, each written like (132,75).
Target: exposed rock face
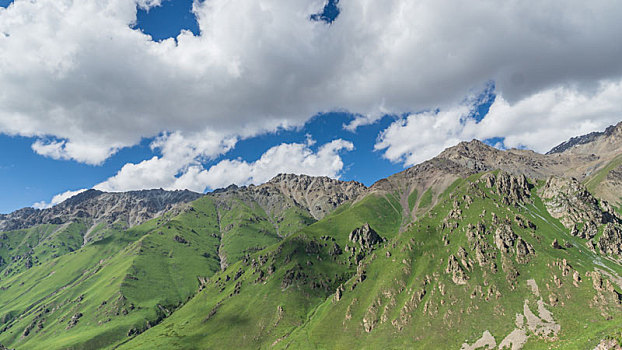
(569,201)
(458,276)
(487,341)
(339,292)
(434,175)
(480,157)
(504,238)
(512,189)
(316,195)
(365,236)
(608,344)
(611,241)
(130,208)
(523,251)
(555,244)
(319,195)
(578,160)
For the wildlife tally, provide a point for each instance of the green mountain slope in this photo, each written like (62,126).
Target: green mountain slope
(475,248)
(58,290)
(482,263)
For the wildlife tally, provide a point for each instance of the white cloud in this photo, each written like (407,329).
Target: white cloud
(57,199)
(88,153)
(180,154)
(547,118)
(539,122)
(170,171)
(422,136)
(75,72)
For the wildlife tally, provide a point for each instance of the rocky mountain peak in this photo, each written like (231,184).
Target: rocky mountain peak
(320,195)
(474,155)
(317,195)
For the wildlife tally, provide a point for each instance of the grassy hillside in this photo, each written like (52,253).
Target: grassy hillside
(487,261)
(57,292)
(265,297)
(480,263)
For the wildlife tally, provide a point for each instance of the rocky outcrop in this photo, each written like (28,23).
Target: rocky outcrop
(608,344)
(576,208)
(512,189)
(581,140)
(74,320)
(318,196)
(339,293)
(611,240)
(555,244)
(365,237)
(592,137)
(458,276)
(570,202)
(524,251)
(504,238)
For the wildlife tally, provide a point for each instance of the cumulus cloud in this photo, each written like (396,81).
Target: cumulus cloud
(180,154)
(171,172)
(538,122)
(547,118)
(76,73)
(57,199)
(88,153)
(422,136)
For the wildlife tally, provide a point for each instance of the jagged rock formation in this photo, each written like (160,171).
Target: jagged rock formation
(581,160)
(611,240)
(578,210)
(365,236)
(317,196)
(513,190)
(458,276)
(568,200)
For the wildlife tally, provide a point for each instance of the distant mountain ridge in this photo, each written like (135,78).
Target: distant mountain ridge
(583,139)
(130,208)
(585,160)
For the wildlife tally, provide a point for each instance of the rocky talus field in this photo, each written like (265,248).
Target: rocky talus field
(477,248)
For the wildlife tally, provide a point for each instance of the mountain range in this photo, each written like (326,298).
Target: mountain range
(476,248)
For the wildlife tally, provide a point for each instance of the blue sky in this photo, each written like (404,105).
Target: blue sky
(138,97)
(26,177)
